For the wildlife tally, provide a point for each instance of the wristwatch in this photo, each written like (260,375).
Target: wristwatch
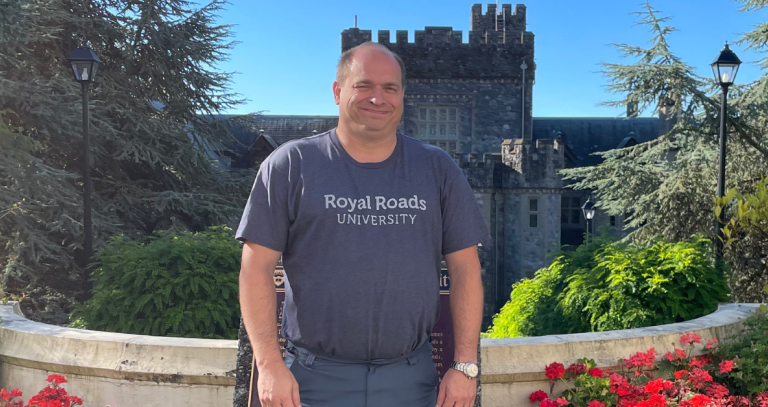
(469,369)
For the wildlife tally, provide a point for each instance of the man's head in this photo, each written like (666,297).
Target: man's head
(369,90)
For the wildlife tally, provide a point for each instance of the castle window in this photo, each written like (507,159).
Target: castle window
(613,221)
(533,209)
(570,210)
(439,123)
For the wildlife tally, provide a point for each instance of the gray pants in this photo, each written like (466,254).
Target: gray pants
(324,381)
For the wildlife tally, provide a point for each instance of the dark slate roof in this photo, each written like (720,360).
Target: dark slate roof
(285,128)
(584,136)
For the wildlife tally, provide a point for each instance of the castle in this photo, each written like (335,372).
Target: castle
(474,100)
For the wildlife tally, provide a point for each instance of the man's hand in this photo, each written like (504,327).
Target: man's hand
(277,387)
(456,390)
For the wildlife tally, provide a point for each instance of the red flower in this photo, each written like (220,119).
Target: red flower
(640,359)
(595,372)
(699,379)
(678,355)
(711,343)
(681,374)
(700,361)
(738,401)
(554,371)
(548,403)
(762,399)
(56,378)
(596,403)
(577,368)
(689,339)
(537,396)
(657,400)
(562,401)
(658,385)
(726,366)
(700,400)
(717,391)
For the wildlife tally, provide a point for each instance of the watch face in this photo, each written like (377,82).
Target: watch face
(472,370)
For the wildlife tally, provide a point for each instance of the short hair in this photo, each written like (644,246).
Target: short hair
(345,62)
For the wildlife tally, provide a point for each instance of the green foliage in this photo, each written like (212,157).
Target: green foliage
(667,185)
(750,351)
(606,286)
(633,286)
(746,240)
(150,125)
(182,285)
(533,308)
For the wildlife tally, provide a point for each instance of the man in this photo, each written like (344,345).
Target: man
(362,216)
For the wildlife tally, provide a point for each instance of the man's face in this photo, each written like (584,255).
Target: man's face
(371,98)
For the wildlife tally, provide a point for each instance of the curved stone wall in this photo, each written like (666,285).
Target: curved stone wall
(513,368)
(115,369)
(127,370)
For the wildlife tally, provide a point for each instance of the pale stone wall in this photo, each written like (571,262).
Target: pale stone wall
(513,368)
(122,370)
(118,370)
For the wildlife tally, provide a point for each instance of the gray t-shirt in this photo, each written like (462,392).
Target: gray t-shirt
(361,242)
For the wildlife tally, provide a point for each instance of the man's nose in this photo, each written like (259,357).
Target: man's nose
(377,98)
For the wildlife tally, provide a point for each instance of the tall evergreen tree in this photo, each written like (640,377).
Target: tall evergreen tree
(152,130)
(667,186)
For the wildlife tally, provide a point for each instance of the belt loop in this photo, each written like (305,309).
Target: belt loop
(310,359)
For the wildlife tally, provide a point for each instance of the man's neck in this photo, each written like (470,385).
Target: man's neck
(367,148)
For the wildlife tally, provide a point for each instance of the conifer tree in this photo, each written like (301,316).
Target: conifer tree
(667,185)
(152,128)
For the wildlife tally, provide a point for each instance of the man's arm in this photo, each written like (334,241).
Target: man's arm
(467,313)
(276,385)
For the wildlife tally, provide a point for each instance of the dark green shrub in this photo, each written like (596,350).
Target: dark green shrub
(634,286)
(183,285)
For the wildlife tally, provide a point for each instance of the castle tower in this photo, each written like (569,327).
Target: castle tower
(465,97)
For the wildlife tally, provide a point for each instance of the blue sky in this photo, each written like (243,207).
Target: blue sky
(287,52)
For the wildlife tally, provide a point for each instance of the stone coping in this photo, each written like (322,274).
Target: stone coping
(114,355)
(523,359)
(211,361)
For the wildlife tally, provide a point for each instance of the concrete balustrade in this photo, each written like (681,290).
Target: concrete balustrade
(122,370)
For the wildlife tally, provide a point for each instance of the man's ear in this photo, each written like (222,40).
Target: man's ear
(336,92)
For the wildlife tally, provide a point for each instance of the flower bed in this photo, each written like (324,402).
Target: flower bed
(678,379)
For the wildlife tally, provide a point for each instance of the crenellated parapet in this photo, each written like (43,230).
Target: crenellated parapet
(536,162)
(497,45)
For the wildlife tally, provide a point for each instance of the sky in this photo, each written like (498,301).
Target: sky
(285,59)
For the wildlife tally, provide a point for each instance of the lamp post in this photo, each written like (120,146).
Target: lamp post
(85,63)
(589,213)
(725,68)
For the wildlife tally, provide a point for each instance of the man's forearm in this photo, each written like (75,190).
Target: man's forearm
(467,313)
(257,304)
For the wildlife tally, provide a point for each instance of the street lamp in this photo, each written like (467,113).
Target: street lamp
(725,68)
(85,63)
(589,213)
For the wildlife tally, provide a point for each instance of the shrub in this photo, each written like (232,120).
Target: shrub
(533,308)
(633,287)
(606,286)
(182,285)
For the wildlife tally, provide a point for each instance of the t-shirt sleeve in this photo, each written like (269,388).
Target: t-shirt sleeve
(266,219)
(463,223)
